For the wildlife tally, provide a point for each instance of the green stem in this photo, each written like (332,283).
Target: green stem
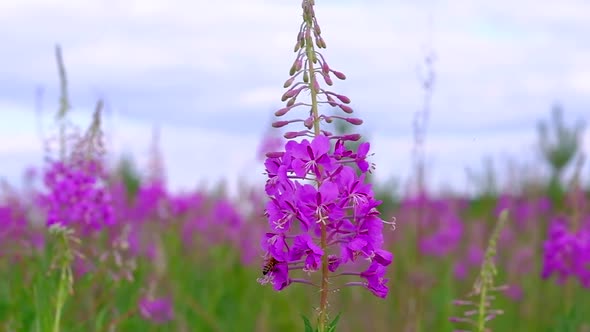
(65,277)
(61,298)
(481,322)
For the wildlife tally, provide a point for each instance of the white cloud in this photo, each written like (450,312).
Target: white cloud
(500,64)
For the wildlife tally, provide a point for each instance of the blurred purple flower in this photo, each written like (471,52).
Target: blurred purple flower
(76,196)
(566,253)
(159,310)
(514,292)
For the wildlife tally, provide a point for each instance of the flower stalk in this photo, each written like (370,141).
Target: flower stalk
(64,256)
(310,51)
(319,201)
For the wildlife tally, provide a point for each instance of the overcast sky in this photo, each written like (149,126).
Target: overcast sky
(210,74)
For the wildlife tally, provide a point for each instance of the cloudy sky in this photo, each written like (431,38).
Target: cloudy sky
(209,74)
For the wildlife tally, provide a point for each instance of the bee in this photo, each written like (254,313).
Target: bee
(269,266)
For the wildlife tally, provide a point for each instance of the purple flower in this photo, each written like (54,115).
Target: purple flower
(460,270)
(157,310)
(310,157)
(281,211)
(341,203)
(303,245)
(280,276)
(76,196)
(376,282)
(361,154)
(567,253)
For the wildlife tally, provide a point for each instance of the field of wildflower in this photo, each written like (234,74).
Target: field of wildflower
(87,245)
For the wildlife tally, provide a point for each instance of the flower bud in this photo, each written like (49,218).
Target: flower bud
(351,137)
(354,121)
(282,111)
(295,134)
(331,101)
(280,124)
(289,82)
(291,93)
(316,86)
(339,75)
(298,64)
(291,101)
(328,80)
(308,122)
(343,98)
(306,77)
(345,108)
(292,70)
(328,119)
(317,29)
(325,68)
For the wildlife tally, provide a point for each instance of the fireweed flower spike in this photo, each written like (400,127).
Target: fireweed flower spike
(321,212)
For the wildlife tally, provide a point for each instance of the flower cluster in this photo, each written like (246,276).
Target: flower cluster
(567,253)
(76,196)
(322,213)
(342,202)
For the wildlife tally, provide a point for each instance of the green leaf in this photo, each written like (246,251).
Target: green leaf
(308,327)
(332,325)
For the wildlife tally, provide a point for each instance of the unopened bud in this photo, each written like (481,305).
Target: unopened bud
(339,75)
(280,124)
(291,93)
(351,137)
(282,111)
(298,64)
(325,68)
(343,98)
(328,80)
(321,43)
(345,108)
(316,86)
(328,119)
(295,67)
(306,77)
(288,82)
(317,29)
(286,95)
(291,101)
(354,121)
(331,101)
(308,122)
(294,134)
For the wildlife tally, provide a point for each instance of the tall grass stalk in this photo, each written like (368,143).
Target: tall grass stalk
(63,258)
